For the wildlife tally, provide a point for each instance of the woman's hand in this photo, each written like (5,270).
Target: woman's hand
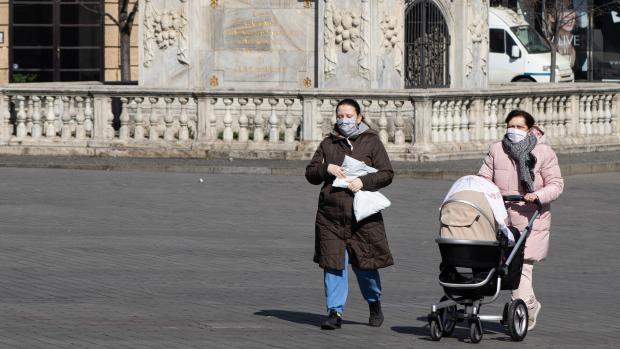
(530,197)
(355,185)
(336,170)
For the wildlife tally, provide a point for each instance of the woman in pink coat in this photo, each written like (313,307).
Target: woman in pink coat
(522,163)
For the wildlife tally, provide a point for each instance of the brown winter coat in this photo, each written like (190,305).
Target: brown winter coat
(336,227)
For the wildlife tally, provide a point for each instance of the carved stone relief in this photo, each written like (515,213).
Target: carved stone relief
(346,31)
(478,43)
(165,29)
(392,42)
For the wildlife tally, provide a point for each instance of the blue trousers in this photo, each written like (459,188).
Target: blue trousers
(337,285)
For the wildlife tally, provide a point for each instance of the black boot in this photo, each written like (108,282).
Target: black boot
(376,315)
(334,321)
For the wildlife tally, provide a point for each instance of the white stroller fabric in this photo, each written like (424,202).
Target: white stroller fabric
(365,203)
(491,193)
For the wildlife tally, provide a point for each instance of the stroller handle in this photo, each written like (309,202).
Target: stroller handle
(520,198)
(528,228)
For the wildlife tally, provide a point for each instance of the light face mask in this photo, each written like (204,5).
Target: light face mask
(347,126)
(515,135)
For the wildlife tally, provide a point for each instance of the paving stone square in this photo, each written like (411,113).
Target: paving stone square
(114,259)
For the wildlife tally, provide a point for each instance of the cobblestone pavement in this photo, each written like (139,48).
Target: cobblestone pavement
(106,259)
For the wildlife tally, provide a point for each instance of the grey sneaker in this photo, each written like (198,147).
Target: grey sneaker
(533,314)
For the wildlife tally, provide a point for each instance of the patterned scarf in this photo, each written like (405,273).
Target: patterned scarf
(521,153)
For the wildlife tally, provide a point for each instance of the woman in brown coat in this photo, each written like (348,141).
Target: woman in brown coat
(339,238)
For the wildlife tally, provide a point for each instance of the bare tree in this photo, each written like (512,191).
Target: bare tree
(124,21)
(554,15)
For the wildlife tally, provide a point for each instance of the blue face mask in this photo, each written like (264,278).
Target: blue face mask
(347,126)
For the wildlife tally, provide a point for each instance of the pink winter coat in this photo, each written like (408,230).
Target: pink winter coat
(499,168)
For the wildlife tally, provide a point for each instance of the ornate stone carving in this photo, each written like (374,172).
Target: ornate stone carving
(165,29)
(478,43)
(329,44)
(347,31)
(392,42)
(363,60)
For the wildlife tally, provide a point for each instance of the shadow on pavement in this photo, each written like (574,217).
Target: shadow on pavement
(300,317)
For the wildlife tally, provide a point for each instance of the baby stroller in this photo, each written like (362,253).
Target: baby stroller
(478,261)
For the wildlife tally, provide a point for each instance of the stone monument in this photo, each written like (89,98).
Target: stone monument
(295,44)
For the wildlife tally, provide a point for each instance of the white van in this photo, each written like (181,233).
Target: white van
(518,53)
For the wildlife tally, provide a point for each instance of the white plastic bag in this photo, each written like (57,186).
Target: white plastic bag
(366,203)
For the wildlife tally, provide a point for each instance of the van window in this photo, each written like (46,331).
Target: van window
(496,40)
(509,43)
(533,42)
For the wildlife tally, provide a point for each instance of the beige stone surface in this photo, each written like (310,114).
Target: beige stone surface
(4,13)
(112,57)
(112,74)
(4,76)
(111,36)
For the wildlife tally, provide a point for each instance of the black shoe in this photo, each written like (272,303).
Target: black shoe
(376,315)
(333,322)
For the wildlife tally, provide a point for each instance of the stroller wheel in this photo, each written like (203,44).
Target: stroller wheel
(475,331)
(517,320)
(435,330)
(448,317)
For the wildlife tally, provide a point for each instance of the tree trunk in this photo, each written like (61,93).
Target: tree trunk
(125,55)
(554,53)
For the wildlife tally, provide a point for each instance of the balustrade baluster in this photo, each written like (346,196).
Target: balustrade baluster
(582,115)
(601,115)
(588,117)
(383,134)
(20,118)
(435,122)
(227,135)
(169,132)
(366,103)
(50,118)
(153,119)
(80,132)
(607,129)
(399,124)
(243,120)
(138,132)
(443,123)
(212,120)
(65,132)
(36,130)
(183,120)
(464,122)
(563,118)
(274,131)
(29,112)
(486,123)
(259,133)
(289,134)
(88,117)
(494,130)
(123,132)
(5,116)
(456,121)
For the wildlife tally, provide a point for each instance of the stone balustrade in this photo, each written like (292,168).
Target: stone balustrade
(414,124)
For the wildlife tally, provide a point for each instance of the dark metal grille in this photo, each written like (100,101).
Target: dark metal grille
(427,44)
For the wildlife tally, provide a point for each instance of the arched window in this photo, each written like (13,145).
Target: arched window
(427,46)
